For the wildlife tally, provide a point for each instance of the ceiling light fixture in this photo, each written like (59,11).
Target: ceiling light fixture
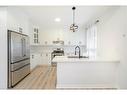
(73,26)
(57,19)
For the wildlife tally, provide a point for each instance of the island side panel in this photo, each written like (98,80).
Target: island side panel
(87,75)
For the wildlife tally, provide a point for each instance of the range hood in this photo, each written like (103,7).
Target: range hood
(58,42)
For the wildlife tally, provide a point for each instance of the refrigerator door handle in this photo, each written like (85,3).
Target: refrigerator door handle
(22,47)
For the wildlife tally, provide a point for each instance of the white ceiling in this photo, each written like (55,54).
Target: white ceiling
(44,15)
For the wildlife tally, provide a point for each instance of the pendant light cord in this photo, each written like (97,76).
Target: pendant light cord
(73,16)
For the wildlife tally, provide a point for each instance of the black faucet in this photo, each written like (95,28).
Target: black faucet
(78,49)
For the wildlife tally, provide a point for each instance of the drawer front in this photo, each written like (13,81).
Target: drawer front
(20,64)
(19,74)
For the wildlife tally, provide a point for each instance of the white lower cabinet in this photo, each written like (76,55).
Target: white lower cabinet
(35,59)
(40,59)
(46,58)
(32,61)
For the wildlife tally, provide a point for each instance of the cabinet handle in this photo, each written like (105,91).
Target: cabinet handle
(32,56)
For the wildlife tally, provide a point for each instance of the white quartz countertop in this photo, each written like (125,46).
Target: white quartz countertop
(65,59)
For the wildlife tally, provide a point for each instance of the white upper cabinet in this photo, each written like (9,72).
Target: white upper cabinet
(34,35)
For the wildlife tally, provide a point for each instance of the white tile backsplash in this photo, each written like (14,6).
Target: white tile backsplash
(68,50)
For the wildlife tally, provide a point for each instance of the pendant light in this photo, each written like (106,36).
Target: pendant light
(73,26)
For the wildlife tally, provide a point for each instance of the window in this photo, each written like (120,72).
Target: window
(91,40)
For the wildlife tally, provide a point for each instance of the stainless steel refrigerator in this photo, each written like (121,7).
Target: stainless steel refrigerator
(18,57)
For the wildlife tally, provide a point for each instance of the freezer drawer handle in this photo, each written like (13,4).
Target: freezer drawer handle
(21,67)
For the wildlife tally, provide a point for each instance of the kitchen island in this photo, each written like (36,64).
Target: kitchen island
(86,72)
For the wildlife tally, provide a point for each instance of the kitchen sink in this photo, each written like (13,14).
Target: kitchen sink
(75,56)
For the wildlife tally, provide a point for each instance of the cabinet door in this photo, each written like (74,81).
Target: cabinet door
(32,61)
(43,58)
(34,36)
(46,58)
(35,59)
(38,59)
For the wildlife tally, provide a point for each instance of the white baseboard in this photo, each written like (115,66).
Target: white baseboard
(87,86)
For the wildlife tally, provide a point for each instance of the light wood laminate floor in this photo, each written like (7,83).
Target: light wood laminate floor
(42,77)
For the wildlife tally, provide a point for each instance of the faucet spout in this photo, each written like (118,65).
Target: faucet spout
(77,47)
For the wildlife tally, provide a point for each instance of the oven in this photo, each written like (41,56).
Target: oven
(56,52)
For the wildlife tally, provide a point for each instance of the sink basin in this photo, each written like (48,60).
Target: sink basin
(75,56)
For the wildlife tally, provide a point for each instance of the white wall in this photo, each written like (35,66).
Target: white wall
(3,49)
(110,30)
(123,65)
(111,41)
(51,34)
(17,18)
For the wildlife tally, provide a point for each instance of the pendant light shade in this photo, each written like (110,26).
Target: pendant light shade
(73,26)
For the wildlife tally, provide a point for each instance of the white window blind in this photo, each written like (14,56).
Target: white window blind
(91,40)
